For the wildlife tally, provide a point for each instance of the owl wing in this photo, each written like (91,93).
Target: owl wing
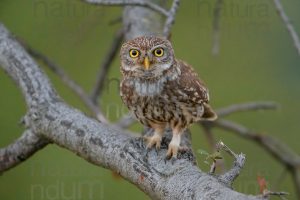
(194,89)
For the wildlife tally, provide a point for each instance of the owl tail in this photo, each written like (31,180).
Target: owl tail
(209,114)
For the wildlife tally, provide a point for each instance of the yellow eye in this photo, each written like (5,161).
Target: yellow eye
(159,52)
(134,53)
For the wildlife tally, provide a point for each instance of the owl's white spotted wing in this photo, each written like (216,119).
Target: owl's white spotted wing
(190,84)
(194,89)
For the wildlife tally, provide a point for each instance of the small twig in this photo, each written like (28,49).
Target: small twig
(216,27)
(268,193)
(238,164)
(224,147)
(147,4)
(276,148)
(67,80)
(212,143)
(288,24)
(209,136)
(246,107)
(104,68)
(213,167)
(171,18)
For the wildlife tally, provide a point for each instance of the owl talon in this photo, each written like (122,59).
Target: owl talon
(183,149)
(157,147)
(172,151)
(172,159)
(154,140)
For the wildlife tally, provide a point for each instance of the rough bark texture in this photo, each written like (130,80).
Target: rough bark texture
(20,150)
(50,118)
(139,21)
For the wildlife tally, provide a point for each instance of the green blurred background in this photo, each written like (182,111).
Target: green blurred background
(257,61)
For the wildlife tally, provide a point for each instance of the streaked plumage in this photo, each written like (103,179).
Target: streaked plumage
(160,90)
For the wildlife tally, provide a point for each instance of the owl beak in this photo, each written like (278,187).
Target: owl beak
(146,63)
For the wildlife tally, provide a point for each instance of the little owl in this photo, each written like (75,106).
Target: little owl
(161,90)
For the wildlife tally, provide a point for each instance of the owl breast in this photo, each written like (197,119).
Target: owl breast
(159,102)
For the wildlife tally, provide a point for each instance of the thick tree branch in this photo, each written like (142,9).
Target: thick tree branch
(102,144)
(139,21)
(20,150)
(22,68)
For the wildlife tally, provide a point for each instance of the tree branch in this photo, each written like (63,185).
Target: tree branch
(16,62)
(282,152)
(108,59)
(271,193)
(275,147)
(246,107)
(20,150)
(77,89)
(238,164)
(103,144)
(289,26)
(139,21)
(143,3)
(171,18)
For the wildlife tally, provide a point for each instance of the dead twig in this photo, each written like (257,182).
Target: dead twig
(268,193)
(276,148)
(104,68)
(217,163)
(171,18)
(289,26)
(67,80)
(246,107)
(238,164)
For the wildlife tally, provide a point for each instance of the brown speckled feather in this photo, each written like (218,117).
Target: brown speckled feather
(191,84)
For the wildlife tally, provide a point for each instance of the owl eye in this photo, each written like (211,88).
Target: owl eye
(134,53)
(159,52)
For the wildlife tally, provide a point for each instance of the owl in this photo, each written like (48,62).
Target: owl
(162,91)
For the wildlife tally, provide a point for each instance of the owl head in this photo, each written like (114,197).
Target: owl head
(146,56)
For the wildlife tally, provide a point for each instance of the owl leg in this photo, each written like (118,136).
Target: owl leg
(174,145)
(157,136)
